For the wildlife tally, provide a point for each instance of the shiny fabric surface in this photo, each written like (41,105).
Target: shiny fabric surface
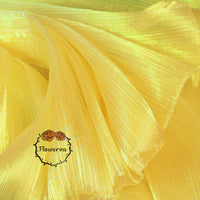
(121,79)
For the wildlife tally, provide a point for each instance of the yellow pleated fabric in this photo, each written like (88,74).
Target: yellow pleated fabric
(120,79)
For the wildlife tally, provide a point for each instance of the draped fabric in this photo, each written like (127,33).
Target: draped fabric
(120,79)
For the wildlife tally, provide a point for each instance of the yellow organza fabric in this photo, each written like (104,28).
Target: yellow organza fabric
(123,85)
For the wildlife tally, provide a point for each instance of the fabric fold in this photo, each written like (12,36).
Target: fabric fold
(122,85)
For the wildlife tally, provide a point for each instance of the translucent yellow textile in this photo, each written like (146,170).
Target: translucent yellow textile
(120,79)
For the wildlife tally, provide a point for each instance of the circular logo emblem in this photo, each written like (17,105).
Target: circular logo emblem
(52,148)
